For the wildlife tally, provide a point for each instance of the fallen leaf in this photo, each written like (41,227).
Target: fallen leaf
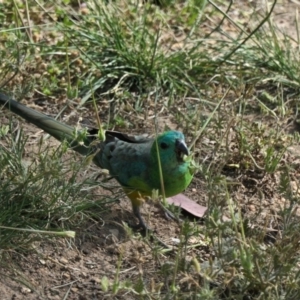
(188,205)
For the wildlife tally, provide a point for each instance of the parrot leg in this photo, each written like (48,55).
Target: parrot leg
(168,214)
(145,229)
(137,200)
(141,225)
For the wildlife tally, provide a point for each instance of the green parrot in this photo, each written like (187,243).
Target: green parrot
(134,161)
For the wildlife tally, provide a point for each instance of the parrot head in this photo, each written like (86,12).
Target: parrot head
(172,148)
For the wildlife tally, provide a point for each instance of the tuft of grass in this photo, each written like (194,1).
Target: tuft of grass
(38,195)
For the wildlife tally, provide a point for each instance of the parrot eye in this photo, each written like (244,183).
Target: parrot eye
(164,145)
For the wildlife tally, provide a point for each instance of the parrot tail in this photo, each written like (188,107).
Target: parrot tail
(55,128)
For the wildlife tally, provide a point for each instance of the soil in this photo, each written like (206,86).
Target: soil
(73,269)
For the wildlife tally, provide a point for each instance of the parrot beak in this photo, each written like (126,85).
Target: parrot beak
(181,149)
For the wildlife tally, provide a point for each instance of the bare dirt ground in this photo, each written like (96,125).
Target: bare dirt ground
(73,268)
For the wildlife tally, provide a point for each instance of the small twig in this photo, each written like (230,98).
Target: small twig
(63,285)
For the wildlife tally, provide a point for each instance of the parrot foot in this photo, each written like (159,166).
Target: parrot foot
(144,229)
(168,214)
(141,226)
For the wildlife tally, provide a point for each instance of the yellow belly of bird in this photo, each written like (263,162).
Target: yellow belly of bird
(137,198)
